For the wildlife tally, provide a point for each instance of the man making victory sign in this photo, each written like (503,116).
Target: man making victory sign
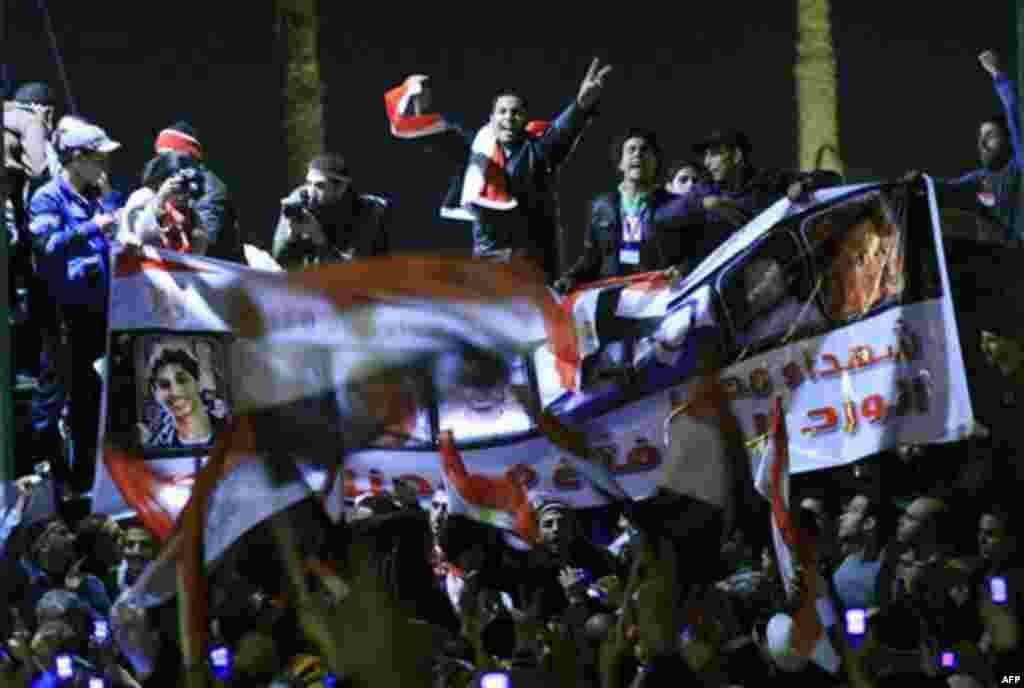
(508,169)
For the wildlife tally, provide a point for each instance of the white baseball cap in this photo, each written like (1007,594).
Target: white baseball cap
(79,135)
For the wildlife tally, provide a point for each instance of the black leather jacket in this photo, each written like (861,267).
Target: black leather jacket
(356,227)
(600,259)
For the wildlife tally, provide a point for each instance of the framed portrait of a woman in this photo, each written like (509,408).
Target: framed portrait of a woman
(182,393)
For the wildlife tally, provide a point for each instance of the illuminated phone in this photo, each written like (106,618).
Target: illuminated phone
(495,679)
(948,660)
(64,669)
(220,662)
(998,587)
(856,621)
(97,682)
(101,630)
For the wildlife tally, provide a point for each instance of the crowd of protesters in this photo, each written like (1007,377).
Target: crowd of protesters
(919,544)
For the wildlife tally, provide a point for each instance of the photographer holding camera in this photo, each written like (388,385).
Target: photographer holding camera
(327,221)
(162,213)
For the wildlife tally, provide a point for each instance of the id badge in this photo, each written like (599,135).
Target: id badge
(629,256)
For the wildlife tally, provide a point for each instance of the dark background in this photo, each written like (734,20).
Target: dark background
(911,90)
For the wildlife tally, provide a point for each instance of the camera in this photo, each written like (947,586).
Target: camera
(295,207)
(192,182)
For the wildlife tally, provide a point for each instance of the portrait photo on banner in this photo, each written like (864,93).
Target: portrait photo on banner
(181,391)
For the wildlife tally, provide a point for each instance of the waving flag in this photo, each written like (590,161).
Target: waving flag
(794,546)
(499,501)
(404,123)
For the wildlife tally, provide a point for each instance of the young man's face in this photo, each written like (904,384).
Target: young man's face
(722,161)
(556,528)
(994,542)
(438,513)
(639,162)
(683,181)
(993,146)
(509,118)
(90,165)
(326,190)
(851,521)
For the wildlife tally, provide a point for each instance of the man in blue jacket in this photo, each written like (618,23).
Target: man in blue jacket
(71,220)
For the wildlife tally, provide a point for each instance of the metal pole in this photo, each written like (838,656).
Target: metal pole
(6,374)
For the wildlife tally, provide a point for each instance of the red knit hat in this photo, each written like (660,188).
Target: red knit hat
(180,137)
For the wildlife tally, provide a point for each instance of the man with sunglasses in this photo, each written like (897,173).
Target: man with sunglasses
(327,221)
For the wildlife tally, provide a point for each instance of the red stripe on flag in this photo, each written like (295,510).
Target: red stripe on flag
(140,486)
(129,264)
(807,628)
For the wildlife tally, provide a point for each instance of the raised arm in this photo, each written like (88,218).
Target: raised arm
(1007,91)
(565,131)
(411,114)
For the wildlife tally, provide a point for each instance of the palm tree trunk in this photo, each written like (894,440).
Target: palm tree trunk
(298,24)
(817,100)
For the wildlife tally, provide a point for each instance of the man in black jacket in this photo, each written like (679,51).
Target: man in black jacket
(623,237)
(327,221)
(507,187)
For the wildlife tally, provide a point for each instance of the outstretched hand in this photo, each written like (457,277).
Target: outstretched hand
(593,83)
(420,100)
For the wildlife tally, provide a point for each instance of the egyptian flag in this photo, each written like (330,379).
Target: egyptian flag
(498,501)
(614,310)
(806,635)
(434,132)
(404,123)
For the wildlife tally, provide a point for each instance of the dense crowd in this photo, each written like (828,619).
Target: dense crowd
(918,567)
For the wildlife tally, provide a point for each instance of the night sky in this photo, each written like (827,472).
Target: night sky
(911,90)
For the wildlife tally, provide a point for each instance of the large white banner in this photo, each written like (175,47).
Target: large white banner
(841,304)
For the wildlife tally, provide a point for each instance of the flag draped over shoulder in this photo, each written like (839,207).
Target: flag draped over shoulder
(795,548)
(486,184)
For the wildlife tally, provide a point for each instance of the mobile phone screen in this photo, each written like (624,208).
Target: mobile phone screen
(856,621)
(998,588)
